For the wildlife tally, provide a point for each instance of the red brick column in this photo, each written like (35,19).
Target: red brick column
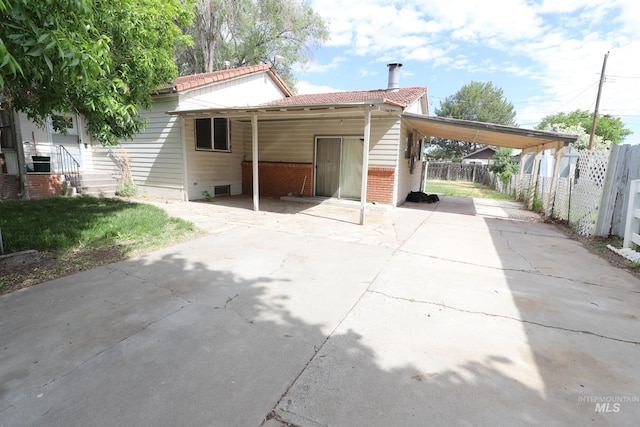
(278,179)
(380,185)
(9,186)
(44,185)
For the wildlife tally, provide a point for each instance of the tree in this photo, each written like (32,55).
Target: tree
(582,143)
(504,165)
(610,129)
(251,32)
(99,59)
(477,101)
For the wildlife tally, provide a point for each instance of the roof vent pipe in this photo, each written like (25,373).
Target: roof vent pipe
(394,76)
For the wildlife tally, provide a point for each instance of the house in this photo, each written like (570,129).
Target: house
(162,159)
(30,154)
(483,156)
(155,159)
(243,131)
(314,145)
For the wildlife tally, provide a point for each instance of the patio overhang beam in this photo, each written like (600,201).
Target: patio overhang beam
(278,111)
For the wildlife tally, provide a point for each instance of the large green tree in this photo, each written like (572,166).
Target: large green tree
(251,32)
(610,129)
(476,101)
(99,59)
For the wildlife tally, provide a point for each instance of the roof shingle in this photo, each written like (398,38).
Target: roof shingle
(403,97)
(196,80)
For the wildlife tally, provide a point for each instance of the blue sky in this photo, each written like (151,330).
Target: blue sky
(545,55)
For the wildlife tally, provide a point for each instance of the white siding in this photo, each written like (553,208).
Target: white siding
(253,89)
(293,140)
(155,153)
(26,132)
(419,106)
(208,169)
(403,176)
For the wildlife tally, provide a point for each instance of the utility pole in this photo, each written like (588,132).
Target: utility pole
(595,113)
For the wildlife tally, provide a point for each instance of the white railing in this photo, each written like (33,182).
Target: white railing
(632,228)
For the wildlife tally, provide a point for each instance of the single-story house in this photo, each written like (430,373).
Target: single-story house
(313,144)
(243,131)
(482,156)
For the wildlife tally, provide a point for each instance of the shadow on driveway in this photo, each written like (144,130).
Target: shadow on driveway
(450,319)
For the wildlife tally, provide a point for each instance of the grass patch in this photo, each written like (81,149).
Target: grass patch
(74,234)
(60,225)
(464,189)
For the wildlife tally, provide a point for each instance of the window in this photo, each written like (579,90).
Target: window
(212,134)
(6,128)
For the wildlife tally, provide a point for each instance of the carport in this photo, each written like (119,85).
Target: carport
(527,140)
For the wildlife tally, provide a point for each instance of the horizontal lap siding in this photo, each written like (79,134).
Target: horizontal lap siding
(286,154)
(253,89)
(155,153)
(404,168)
(208,169)
(293,141)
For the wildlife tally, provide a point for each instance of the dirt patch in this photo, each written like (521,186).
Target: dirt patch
(28,268)
(598,246)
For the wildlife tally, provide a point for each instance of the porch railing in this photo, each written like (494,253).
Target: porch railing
(68,166)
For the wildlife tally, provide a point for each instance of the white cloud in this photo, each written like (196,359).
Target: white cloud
(555,46)
(304,87)
(314,67)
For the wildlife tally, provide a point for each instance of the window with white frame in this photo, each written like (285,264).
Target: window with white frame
(212,134)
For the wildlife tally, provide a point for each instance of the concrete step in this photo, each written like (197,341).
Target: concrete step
(97,184)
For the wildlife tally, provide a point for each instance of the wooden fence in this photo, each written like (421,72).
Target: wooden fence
(594,200)
(447,171)
(624,167)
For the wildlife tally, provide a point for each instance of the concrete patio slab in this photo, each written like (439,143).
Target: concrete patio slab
(463,312)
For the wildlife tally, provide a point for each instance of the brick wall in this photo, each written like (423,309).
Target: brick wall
(44,185)
(380,185)
(9,186)
(278,179)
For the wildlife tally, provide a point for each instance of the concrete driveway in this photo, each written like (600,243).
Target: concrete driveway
(465,312)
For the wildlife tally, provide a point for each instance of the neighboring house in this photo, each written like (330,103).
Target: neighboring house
(483,156)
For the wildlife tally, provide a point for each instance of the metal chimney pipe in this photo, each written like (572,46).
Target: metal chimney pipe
(394,76)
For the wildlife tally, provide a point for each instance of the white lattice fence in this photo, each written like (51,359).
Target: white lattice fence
(525,185)
(562,203)
(586,194)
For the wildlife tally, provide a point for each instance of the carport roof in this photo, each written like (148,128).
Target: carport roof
(487,133)
(441,127)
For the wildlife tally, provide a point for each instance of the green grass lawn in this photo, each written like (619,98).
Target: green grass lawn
(74,234)
(464,188)
(61,224)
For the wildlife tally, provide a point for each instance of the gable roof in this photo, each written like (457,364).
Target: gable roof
(402,97)
(183,83)
(483,153)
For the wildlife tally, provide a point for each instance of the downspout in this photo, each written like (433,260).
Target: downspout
(22,167)
(254,161)
(365,163)
(185,167)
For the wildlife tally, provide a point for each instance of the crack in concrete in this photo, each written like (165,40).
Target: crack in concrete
(518,270)
(501,316)
(527,260)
